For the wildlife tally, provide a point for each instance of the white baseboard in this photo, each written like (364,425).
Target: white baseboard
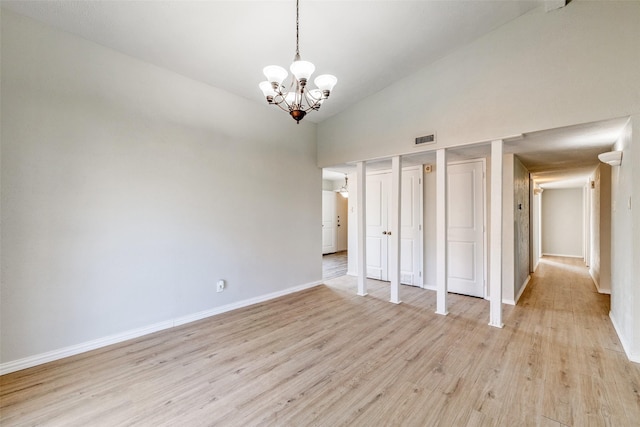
(522,288)
(595,282)
(631,356)
(564,255)
(50,356)
(429,287)
(508,301)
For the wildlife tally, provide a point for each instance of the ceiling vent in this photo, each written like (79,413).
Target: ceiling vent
(427,139)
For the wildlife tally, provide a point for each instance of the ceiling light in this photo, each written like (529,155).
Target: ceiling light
(344,190)
(613,158)
(297,100)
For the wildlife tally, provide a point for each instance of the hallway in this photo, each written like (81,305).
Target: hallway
(557,361)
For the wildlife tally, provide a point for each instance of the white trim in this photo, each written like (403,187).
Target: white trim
(402,168)
(361,237)
(631,356)
(522,288)
(508,301)
(441,232)
(595,282)
(563,255)
(50,356)
(395,226)
(430,287)
(495,241)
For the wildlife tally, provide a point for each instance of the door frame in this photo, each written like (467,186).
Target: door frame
(485,239)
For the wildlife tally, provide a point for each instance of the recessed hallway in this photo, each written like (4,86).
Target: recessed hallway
(328,357)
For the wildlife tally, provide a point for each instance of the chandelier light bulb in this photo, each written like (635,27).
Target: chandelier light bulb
(267,89)
(325,83)
(302,70)
(275,74)
(290,98)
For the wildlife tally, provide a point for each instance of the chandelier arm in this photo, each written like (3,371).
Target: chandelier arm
(288,109)
(283,100)
(312,103)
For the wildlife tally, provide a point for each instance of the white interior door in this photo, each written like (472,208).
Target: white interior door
(378,189)
(411,228)
(329,232)
(465,241)
(377,218)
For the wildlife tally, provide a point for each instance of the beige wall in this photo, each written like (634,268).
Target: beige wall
(600,219)
(128,191)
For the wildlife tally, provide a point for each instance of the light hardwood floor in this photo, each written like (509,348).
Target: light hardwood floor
(326,357)
(334,265)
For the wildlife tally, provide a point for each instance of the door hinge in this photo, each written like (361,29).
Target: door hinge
(419,181)
(420,274)
(420,227)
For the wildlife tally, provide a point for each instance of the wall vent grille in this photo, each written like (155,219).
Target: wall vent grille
(427,139)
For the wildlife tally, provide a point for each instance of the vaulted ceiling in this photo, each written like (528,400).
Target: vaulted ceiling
(368,45)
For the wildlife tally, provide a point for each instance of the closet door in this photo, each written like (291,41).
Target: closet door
(378,213)
(377,218)
(411,228)
(466,228)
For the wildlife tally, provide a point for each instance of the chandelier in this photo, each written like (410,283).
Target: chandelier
(297,99)
(344,190)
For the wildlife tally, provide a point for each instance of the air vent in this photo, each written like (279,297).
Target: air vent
(427,139)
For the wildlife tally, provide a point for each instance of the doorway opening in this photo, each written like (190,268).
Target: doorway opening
(335,223)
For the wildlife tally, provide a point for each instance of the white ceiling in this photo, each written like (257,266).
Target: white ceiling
(367,44)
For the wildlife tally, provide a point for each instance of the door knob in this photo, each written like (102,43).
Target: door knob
(384,232)
(388,233)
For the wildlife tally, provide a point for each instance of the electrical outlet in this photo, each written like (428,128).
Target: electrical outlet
(220,286)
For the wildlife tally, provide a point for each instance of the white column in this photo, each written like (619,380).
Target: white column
(394,229)
(361,173)
(441,231)
(495,268)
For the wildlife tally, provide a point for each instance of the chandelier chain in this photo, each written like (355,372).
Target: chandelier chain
(297,29)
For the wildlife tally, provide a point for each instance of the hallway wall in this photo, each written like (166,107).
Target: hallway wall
(625,249)
(600,218)
(562,228)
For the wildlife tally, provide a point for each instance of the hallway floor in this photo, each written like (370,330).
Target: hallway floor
(334,265)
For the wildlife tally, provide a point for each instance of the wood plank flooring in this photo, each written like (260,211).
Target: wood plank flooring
(334,265)
(326,357)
